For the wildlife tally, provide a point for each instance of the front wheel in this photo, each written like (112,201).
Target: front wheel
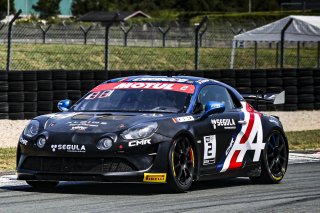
(274,159)
(181,165)
(42,185)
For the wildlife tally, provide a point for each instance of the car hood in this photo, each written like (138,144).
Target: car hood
(98,122)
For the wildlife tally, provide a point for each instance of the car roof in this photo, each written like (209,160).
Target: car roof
(197,81)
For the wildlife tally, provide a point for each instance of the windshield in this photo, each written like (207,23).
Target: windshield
(132,99)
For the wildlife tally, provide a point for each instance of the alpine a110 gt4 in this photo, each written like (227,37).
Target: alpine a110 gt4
(155,129)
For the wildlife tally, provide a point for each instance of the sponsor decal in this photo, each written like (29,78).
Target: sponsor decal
(209,149)
(226,123)
(139,142)
(247,137)
(203,81)
(178,80)
(155,177)
(102,94)
(178,87)
(183,119)
(23,141)
(80,128)
(68,148)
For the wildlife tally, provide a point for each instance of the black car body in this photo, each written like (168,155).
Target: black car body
(154,129)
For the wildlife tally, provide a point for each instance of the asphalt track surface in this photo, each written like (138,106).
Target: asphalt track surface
(298,192)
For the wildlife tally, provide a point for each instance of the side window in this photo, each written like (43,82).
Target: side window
(215,93)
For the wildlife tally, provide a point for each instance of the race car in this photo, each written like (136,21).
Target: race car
(155,129)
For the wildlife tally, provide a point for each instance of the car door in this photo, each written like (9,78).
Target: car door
(214,134)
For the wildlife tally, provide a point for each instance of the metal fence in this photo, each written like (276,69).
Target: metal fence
(142,47)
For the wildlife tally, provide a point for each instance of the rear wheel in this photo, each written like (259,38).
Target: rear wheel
(42,185)
(181,165)
(274,160)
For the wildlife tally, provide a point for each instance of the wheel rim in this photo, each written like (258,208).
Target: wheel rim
(277,156)
(183,161)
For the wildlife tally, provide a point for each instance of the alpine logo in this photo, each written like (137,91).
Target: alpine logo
(249,137)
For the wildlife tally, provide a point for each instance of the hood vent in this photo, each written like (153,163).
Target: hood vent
(82,116)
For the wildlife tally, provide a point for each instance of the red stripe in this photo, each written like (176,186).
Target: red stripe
(233,163)
(249,127)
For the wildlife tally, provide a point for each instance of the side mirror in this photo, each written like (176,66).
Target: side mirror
(64,105)
(212,107)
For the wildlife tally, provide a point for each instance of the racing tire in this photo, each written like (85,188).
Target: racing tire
(16,86)
(274,159)
(74,85)
(30,86)
(4,86)
(181,165)
(243,82)
(3,76)
(42,185)
(44,75)
(59,75)
(29,75)
(289,81)
(86,75)
(73,75)
(44,85)
(15,76)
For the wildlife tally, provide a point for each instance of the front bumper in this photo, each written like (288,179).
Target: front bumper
(94,166)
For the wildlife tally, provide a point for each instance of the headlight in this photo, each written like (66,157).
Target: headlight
(41,142)
(32,129)
(140,131)
(104,144)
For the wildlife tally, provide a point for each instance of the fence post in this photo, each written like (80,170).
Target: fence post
(125,33)
(318,64)
(255,55)
(298,54)
(106,50)
(85,33)
(201,34)
(196,42)
(44,32)
(164,33)
(283,31)
(277,54)
(9,39)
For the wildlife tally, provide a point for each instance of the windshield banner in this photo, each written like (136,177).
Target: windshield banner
(178,87)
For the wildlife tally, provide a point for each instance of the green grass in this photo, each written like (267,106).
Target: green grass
(304,140)
(84,57)
(7,159)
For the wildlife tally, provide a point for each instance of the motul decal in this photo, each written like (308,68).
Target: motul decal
(178,87)
(243,140)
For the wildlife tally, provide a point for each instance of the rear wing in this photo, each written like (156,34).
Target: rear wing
(274,98)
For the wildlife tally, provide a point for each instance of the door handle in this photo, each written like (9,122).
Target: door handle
(242,122)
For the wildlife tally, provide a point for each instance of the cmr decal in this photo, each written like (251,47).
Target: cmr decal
(244,140)
(209,154)
(23,141)
(155,177)
(178,87)
(140,142)
(183,119)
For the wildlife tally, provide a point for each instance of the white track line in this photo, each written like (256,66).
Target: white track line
(294,158)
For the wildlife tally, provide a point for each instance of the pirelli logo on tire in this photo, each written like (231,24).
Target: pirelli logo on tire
(155,177)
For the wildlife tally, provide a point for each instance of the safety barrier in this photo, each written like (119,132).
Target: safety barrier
(26,94)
